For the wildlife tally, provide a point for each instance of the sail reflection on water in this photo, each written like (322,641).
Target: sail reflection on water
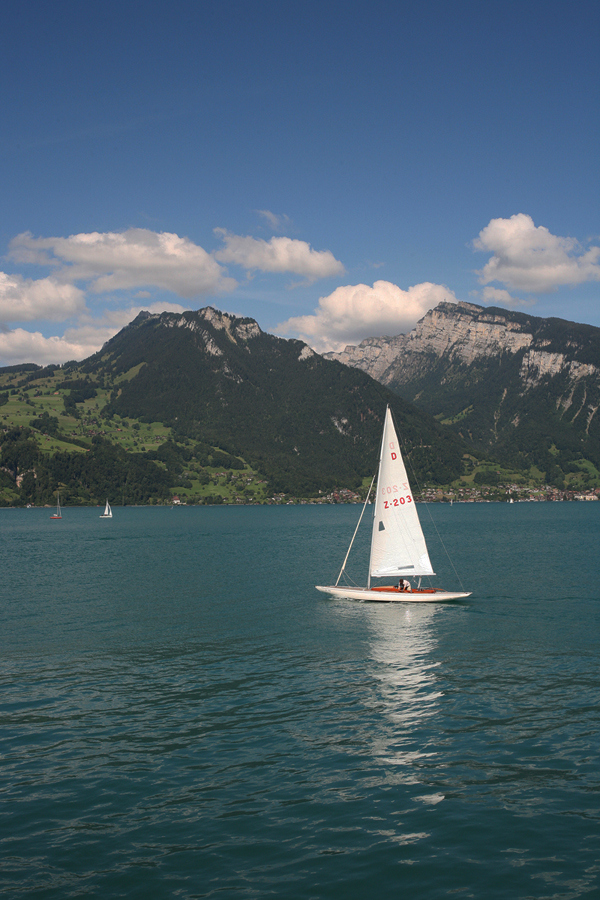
(403,668)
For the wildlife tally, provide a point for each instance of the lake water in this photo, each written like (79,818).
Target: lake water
(183,715)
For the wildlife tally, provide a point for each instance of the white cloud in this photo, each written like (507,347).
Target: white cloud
(530,258)
(354,312)
(277,223)
(20,346)
(25,299)
(492,296)
(135,258)
(280,254)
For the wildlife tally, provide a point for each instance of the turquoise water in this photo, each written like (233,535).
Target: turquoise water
(183,715)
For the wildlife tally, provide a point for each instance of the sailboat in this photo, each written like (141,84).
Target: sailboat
(107,514)
(57,514)
(398,545)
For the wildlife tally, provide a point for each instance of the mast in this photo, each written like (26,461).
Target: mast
(375,504)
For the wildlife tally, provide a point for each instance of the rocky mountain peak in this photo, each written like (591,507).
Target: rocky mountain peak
(495,375)
(235,326)
(464,332)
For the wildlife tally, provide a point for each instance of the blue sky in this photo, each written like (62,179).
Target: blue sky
(331,169)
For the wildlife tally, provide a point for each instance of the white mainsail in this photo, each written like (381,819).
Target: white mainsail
(397,544)
(107,514)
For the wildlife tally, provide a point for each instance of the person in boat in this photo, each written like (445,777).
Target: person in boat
(404,585)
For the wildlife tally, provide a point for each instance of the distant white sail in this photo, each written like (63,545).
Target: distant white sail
(397,545)
(58,513)
(107,514)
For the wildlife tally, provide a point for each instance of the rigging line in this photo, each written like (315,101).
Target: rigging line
(349,581)
(426,504)
(355,530)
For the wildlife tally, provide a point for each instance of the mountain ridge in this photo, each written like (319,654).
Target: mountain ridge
(514,384)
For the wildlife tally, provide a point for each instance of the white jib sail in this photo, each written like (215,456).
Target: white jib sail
(397,545)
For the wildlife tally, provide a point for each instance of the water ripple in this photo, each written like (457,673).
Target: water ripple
(176,741)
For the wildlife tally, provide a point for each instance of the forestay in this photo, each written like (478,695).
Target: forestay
(397,545)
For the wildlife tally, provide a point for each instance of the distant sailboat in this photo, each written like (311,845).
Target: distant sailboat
(57,514)
(107,514)
(398,545)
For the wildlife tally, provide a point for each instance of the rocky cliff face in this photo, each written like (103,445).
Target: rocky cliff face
(489,372)
(465,333)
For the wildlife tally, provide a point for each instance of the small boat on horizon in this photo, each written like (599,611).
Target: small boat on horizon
(107,514)
(57,514)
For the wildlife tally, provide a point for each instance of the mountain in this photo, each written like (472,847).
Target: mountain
(305,423)
(191,397)
(522,387)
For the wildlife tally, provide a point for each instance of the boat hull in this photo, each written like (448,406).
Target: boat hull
(393,595)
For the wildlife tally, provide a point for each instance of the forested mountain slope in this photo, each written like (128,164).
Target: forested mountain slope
(303,421)
(193,395)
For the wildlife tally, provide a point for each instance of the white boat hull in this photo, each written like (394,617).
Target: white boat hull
(392,595)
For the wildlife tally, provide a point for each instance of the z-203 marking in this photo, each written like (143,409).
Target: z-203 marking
(397,501)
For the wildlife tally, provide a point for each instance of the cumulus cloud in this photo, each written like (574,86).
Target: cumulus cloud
(79,342)
(20,346)
(135,258)
(280,254)
(527,257)
(26,299)
(354,312)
